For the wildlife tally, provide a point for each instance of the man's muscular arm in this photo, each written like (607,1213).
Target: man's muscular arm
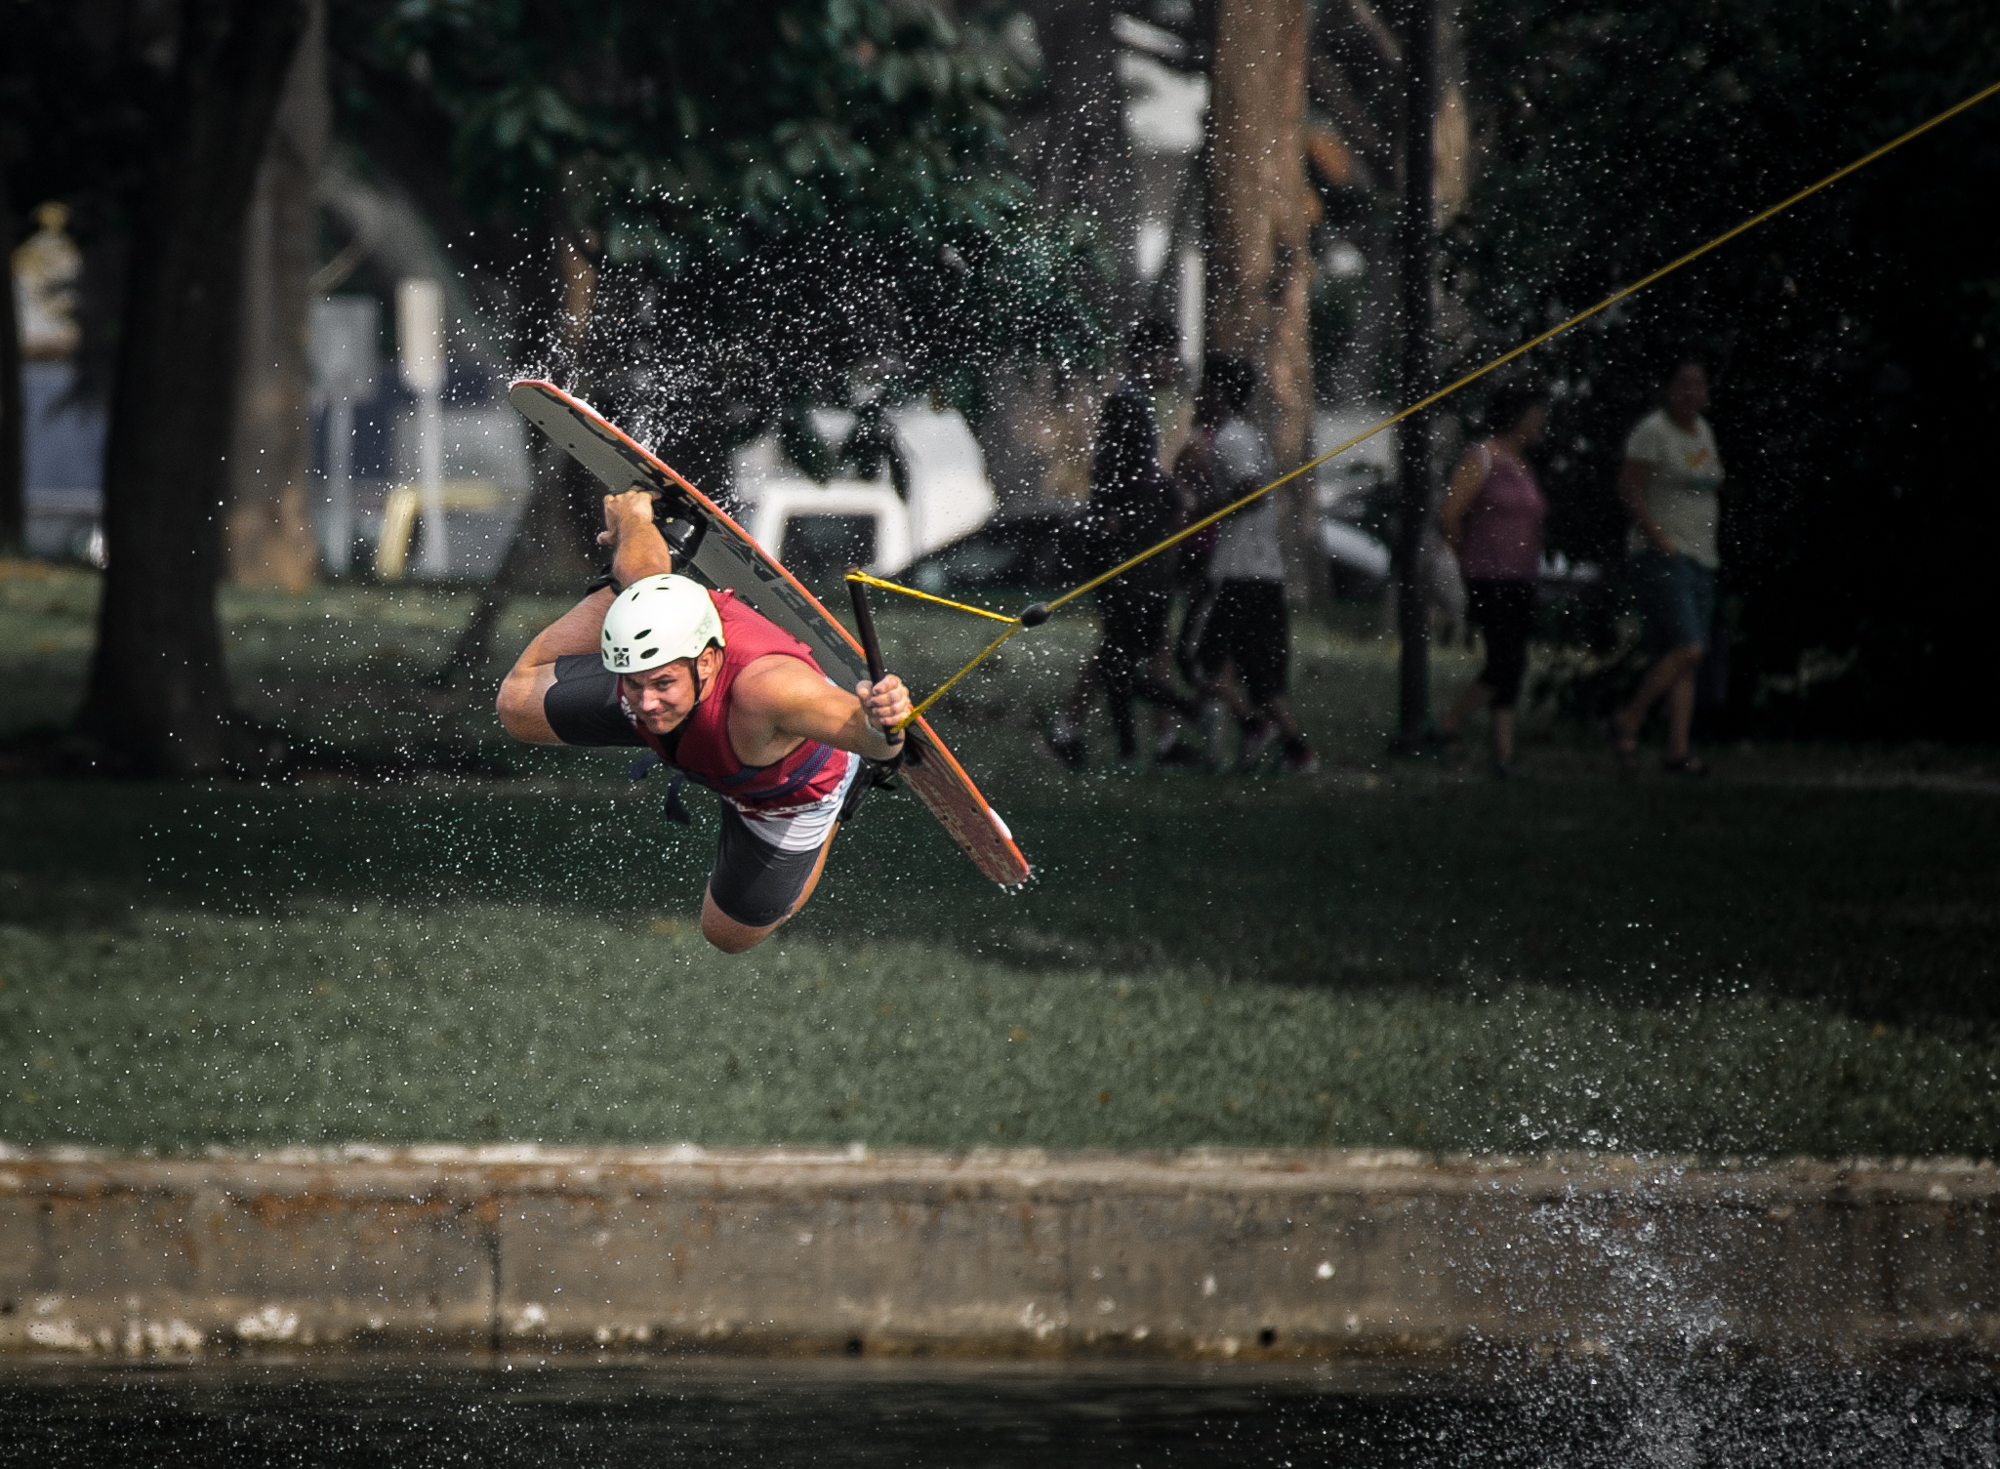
(637,550)
(779,701)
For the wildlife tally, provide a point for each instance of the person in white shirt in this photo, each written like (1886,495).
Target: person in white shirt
(1670,487)
(1243,643)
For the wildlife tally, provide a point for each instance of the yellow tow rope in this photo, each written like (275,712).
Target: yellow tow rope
(1037,614)
(889,586)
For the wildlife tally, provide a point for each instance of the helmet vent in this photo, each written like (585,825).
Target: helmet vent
(676,619)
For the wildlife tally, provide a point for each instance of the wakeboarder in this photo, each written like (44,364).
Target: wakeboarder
(726,698)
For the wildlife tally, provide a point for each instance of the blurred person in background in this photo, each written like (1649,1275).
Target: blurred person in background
(1670,486)
(1134,504)
(1194,480)
(1492,519)
(1242,626)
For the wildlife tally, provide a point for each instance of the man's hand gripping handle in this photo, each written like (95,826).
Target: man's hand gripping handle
(885,702)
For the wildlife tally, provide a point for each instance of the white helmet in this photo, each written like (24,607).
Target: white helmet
(657,620)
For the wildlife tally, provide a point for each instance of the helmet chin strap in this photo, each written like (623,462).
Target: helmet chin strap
(700,688)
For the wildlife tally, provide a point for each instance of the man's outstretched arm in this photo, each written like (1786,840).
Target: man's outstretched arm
(791,701)
(637,550)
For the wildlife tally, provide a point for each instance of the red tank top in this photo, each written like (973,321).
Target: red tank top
(700,748)
(1502,535)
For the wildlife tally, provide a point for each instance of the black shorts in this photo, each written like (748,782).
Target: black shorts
(1135,624)
(753,881)
(582,705)
(1246,623)
(1505,612)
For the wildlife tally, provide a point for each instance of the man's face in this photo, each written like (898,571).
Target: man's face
(1155,369)
(662,698)
(1687,394)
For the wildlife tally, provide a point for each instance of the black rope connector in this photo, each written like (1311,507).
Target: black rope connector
(1035,614)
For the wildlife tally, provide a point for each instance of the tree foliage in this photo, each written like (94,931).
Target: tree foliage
(777,197)
(1855,343)
(81,89)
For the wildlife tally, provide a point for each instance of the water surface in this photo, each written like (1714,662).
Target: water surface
(526,1413)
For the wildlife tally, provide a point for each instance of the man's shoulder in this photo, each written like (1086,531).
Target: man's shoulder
(1241,449)
(1648,440)
(774,681)
(1238,428)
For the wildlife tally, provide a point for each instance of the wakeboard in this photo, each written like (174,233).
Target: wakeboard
(716,551)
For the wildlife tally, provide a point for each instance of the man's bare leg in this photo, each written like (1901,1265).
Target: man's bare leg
(1078,708)
(1225,688)
(732,937)
(1680,713)
(1284,717)
(1167,721)
(1674,666)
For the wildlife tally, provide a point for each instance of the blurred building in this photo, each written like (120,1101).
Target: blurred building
(366,415)
(927,488)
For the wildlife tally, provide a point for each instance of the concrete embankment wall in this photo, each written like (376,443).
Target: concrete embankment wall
(1318,1255)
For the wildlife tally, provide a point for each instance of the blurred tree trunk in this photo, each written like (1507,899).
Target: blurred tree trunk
(1080,160)
(269,532)
(1075,152)
(13,439)
(1259,260)
(1417,232)
(158,698)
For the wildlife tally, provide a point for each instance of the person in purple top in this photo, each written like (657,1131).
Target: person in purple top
(1492,518)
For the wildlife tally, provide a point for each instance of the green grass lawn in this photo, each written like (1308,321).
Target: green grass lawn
(1795,956)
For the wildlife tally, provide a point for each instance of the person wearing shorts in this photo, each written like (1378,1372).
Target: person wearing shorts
(1671,487)
(726,698)
(1492,518)
(1243,633)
